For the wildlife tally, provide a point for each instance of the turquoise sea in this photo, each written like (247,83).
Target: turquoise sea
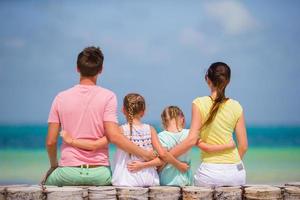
(273,155)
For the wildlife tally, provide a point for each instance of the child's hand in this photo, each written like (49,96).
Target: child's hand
(150,155)
(231,144)
(160,168)
(183,167)
(66,137)
(135,166)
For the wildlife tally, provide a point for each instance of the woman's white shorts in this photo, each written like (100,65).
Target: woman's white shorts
(209,174)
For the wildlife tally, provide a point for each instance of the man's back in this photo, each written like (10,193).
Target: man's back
(81,110)
(85,111)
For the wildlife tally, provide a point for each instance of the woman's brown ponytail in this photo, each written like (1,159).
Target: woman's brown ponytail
(219,74)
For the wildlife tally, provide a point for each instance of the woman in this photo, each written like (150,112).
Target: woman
(214,119)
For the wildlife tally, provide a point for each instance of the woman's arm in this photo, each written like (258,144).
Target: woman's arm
(215,147)
(136,166)
(193,136)
(241,136)
(165,155)
(85,144)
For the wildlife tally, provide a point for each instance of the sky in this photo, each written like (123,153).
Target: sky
(160,49)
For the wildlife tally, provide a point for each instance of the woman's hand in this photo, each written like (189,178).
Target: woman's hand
(67,138)
(183,167)
(135,166)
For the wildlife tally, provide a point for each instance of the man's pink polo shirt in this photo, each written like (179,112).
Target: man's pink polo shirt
(81,111)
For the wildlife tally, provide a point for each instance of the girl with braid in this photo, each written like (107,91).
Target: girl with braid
(214,119)
(143,135)
(174,133)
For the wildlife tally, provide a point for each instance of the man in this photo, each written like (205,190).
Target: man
(85,111)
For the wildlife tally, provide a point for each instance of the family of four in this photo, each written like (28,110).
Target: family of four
(85,116)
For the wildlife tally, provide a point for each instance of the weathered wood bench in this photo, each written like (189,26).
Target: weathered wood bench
(289,191)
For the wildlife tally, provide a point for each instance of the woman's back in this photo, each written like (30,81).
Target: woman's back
(220,130)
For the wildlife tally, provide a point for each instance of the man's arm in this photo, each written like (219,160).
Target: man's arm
(193,136)
(114,135)
(85,144)
(51,143)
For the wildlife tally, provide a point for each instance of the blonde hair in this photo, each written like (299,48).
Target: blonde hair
(172,112)
(133,104)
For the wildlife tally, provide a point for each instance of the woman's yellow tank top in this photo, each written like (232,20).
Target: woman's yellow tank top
(220,130)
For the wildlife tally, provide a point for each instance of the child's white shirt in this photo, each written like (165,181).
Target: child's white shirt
(141,136)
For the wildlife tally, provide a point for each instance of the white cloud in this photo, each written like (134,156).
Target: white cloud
(191,37)
(136,49)
(233,16)
(195,39)
(130,48)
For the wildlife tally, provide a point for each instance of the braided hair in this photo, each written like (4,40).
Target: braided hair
(133,104)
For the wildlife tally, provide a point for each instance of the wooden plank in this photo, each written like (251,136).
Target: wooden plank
(24,193)
(65,193)
(262,192)
(102,193)
(199,193)
(228,193)
(291,193)
(164,193)
(132,193)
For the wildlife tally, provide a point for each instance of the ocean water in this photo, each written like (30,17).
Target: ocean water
(273,155)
